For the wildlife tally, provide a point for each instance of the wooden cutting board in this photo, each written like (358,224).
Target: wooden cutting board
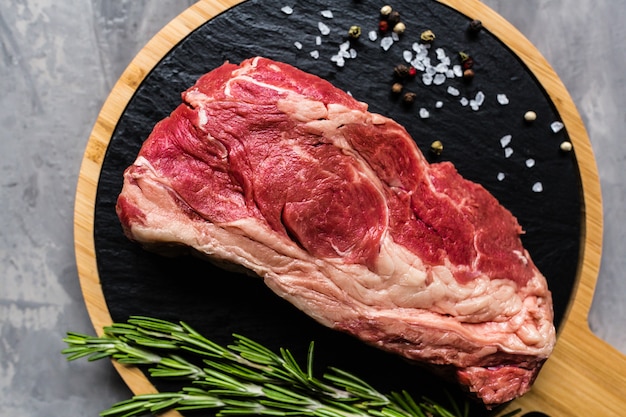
(584,377)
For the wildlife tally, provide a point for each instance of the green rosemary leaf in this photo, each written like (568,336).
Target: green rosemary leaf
(244,378)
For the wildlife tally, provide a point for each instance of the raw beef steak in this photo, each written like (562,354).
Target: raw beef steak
(275,171)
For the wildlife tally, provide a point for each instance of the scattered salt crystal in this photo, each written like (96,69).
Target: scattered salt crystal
(297,45)
(440,53)
(474,105)
(418,64)
(372,35)
(508,152)
(458,70)
(395,36)
(538,187)
(503,99)
(344,46)
(556,126)
(429,69)
(407,55)
(327,14)
(480,98)
(439,79)
(318,40)
(424,114)
(450,73)
(287,10)
(427,79)
(386,43)
(530,162)
(500,176)
(352,53)
(324,29)
(344,54)
(338,59)
(441,67)
(439,104)
(315,54)
(505,140)
(453,91)
(464,101)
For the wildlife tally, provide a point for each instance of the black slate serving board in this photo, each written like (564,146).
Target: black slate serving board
(220,303)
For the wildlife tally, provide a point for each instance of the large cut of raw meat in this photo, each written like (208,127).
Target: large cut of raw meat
(279,173)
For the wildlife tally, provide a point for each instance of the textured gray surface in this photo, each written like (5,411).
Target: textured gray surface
(59,60)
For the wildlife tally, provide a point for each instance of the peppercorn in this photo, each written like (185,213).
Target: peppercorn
(385,11)
(475,26)
(530,116)
(467,61)
(412,71)
(383,26)
(427,36)
(354,32)
(436,147)
(399,28)
(409,98)
(393,18)
(468,74)
(396,88)
(566,146)
(401,71)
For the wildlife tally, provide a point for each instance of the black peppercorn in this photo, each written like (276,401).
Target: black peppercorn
(475,26)
(393,18)
(401,71)
(409,98)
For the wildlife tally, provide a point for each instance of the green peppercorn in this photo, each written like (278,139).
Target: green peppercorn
(436,147)
(354,32)
(427,36)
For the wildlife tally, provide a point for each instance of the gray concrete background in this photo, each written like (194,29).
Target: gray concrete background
(58,62)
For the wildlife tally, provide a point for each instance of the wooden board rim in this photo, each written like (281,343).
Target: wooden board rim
(599,369)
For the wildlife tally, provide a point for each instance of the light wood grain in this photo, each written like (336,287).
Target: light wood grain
(584,377)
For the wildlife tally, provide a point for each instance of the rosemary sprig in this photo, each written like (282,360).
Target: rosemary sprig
(244,378)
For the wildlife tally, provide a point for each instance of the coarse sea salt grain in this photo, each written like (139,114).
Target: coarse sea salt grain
(508,152)
(538,187)
(424,114)
(315,54)
(287,10)
(500,176)
(372,35)
(439,79)
(505,140)
(324,29)
(556,126)
(327,14)
(386,43)
(407,55)
(530,162)
(427,79)
(453,91)
(298,45)
(464,101)
(439,104)
(318,40)
(502,99)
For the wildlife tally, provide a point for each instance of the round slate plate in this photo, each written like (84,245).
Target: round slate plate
(528,174)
